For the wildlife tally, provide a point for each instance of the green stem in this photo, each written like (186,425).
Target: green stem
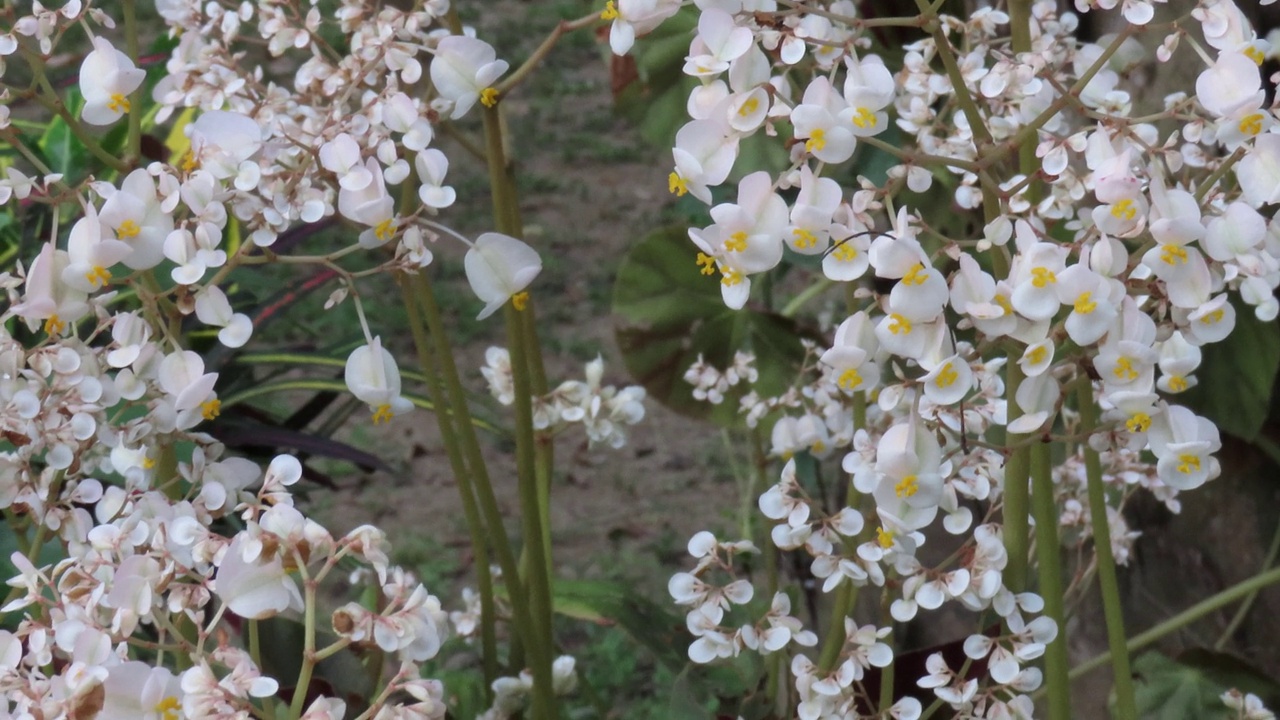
(1184,618)
(1049,555)
(1016,501)
(470,508)
(133,144)
(814,289)
(960,88)
(308,651)
(52,102)
(1113,611)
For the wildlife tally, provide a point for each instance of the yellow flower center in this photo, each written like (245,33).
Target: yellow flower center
(610,11)
(98,276)
(489,97)
(169,708)
(737,242)
(384,230)
(189,161)
(916,275)
(1188,464)
(1255,54)
(1125,370)
(520,300)
(1173,255)
(211,409)
(1139,422)
(676,185)
(119,103)
(147,462)
(947,376)
(382,414)
(846,252)
(1041,277)
(1036,355)
(1124,210)
(1003,300)
(817,446)
(849,379)
(1085,304)
(128,230)
(804,238)
(864,118)
(1177,383)
(1251,124)
(899,324)
(817,140)
(730,277)
(906,487)
(1213,317)
(707,264)
(54,325)
(884,538)
(748,107)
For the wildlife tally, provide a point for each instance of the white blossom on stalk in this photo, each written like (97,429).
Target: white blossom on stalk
(91,255)
(373,376)
(371,206)
(432,165)
(632,18)
(254,587)
(133,215)
(223,144)
(137,691)
(499,268)
(107,79)
(464,70)
(213,308)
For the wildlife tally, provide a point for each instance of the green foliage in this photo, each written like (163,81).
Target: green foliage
(1190,688)
(668,314)
(1236,376)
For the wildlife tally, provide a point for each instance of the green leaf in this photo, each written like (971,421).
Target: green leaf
(1237,375)
(1190,688)
(613,603)
(63,150)
(668,313)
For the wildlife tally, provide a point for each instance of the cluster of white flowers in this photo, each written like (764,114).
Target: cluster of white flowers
(102,401)
(1107,265)
(604,410)
(1247,705)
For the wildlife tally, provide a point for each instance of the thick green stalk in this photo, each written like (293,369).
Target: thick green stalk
(1049,556)
(133,145)
(1126,708)
(1016,500)
(308,650)
(541,648)
(470,507)
(846,593)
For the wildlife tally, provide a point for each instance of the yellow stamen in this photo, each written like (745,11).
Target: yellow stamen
(384,230)
(119,103)
(189,161)
(846,252)
(947,376)
(731,277)
(1173,255)
(128,230)
(1085,304)
(1125,370)
(906,487)
(520,300)
(382,414)
(707,263)
(899,324)
(147,463)
(817,447)
(1188,463)
(817,140)
(916,275)
(1124,210)
(884,538)
(1138,423)
(1213,317)
(610,11)
(1177,383)
(489,97)
(804,238)
(1041,277)
(849,379)
(169,708)
(1255,54)
(748,107)
(1003,301)
(211,409)
(54,325)
(737,242)
(1036,355)
(1251,124)
(676,185)
(864,118)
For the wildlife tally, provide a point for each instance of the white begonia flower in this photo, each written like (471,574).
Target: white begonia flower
(868,89)
(719,41)
(107,78)
(254,589)
(371,206)
(401,114)
(852,355)
(1037,357)
(949,381)
(91,255)
(499,268)
(133,215)
(909,479)
(1178,359)
(817,122)
(1234,234)
(632,18)
(47,297)
(704,154)
(1258,172)
(1089,296)
(432,165)
(137,691)
(373,376)
(1183,444)
(342,157)
(181,375)
(811,216)
(213,308)
(1232,84)
(463,71)
(222,142)
(751,230)
(848,258)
